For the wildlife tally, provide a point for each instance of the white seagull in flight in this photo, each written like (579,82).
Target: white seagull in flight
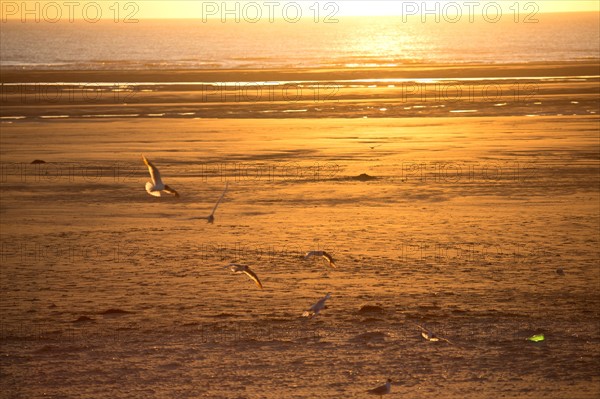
(382,390)
(243,269)
(211,218)
(430,336)
(322,254)
(156,186)
(317,307)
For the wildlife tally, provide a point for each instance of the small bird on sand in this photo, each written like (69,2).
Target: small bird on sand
(382,390)
(322,254)
(243,269)
(211,218)
(156,186)
(317,307)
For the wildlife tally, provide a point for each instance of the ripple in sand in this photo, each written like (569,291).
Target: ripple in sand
(369,309)
(223,315)
(56,348)
(371,336)
(47,348)
(113,311)
(83,319)
(371,320)
(170,366)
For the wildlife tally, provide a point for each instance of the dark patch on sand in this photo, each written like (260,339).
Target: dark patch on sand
(83,319)
(364,177)
(370,309)
(113,311)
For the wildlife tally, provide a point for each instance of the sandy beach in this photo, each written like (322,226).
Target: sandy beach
(483,229)
(440,160)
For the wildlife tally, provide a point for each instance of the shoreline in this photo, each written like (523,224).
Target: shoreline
(417,71)
(412,91)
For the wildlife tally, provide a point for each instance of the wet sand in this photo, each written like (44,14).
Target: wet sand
(407,71)
(411,91)
(107,291)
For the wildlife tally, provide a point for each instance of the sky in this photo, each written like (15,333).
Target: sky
(262,10)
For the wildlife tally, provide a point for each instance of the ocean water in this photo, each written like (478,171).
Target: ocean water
(351,42)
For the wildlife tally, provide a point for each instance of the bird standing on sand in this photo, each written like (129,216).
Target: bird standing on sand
(317,307)
(156,186)
(243,269)
(382,390)
(211,218)
(322,254)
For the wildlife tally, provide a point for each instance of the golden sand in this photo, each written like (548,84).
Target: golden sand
(109,292)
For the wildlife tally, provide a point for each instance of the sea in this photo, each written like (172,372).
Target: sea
(347,43)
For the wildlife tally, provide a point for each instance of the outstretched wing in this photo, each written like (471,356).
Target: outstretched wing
(329,259)
(446,340)
(171,191)
(322,254)
(313,253)
(154,173)
(253,276)
(219,200)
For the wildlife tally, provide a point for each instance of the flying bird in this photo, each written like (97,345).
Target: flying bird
(211,218)
(317,307)
(322,254)
(243,269)
(156,186)
(431,336)
(382,390)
